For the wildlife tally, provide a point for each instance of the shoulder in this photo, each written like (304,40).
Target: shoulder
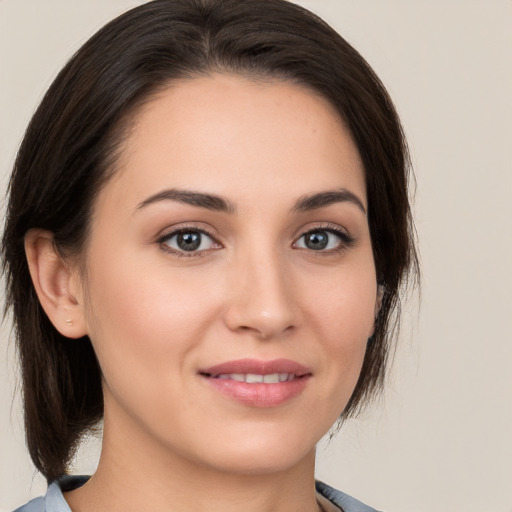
(342,500)
(54,500)
(35,505)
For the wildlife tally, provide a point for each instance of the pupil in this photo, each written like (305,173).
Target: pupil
(317,240)
(189,241)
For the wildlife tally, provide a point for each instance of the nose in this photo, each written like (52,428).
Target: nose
(262,300)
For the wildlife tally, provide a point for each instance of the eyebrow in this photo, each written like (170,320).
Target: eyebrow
(208,201)
(323,199)
(217,203)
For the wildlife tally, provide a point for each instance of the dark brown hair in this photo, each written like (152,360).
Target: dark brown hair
(69,150)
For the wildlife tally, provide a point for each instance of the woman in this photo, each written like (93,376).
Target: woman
(207,231)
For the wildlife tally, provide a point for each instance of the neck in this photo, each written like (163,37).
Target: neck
(133,471)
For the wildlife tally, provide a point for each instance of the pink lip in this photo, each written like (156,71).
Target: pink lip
(258,394)
(257,366)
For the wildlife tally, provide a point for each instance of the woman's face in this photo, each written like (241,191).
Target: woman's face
(230,285)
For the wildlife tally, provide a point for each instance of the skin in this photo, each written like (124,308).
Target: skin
(254,290)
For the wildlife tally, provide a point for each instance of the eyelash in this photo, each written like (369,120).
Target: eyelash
(346,241)
(185,229)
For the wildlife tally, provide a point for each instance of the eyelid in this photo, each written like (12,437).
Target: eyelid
(346,239)
(172,231)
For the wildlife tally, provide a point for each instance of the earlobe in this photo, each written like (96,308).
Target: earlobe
(55,283)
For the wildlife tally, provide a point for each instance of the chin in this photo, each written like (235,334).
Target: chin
(259,454)
(262,463)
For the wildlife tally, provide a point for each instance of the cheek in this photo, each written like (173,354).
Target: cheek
(143,318)
(341,313)
(343,303)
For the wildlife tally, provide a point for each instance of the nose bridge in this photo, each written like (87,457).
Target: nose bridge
(262,300)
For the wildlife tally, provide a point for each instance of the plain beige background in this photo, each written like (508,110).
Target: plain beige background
(441,439)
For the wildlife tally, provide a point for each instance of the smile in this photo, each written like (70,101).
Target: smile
(253,378)
(258,383)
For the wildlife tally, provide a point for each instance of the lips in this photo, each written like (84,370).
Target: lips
(252,378)
(258,383)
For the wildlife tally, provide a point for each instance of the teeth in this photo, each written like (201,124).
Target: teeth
(253,378)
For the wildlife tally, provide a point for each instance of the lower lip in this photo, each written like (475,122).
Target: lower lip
(260,394)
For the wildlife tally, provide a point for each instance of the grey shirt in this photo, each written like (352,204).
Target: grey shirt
(54,500)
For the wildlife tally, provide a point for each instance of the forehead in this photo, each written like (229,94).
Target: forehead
(230,135)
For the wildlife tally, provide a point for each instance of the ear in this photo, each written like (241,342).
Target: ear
(57,284)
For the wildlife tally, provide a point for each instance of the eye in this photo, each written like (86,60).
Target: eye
(323,240)
(188,241)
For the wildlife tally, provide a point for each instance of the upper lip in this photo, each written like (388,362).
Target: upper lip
(257,367)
